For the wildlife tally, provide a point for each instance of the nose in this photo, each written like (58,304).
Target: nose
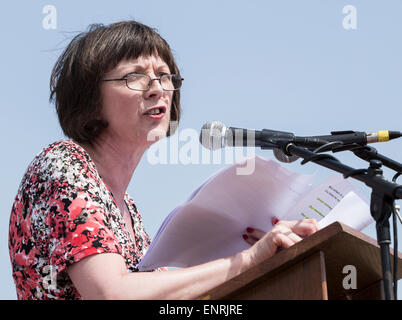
(155,90)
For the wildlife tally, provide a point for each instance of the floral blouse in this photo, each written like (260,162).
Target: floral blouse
(64,212)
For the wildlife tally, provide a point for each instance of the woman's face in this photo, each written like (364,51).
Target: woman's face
(127,111)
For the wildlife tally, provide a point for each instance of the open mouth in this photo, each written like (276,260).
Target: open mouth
(156,111)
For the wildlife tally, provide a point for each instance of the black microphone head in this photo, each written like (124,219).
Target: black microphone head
(212,135)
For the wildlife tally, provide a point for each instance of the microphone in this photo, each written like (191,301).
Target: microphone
(215,135)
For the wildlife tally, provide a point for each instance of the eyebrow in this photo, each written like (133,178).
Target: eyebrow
(139,68)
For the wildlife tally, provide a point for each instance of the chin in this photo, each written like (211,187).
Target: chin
(156,134)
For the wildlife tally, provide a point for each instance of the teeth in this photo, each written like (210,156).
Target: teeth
(155,111)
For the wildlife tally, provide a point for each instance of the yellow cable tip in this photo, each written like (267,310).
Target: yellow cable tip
(383,136)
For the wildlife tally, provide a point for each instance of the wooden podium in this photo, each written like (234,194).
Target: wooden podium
(313,269)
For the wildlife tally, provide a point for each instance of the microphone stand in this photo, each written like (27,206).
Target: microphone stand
(369,153)
(382,197)
(366,153)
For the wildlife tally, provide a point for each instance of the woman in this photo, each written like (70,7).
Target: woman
(74,231)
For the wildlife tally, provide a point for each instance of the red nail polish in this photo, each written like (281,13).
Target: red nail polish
(245,237)
(249,230)
(275,220)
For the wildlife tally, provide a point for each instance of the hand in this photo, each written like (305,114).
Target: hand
(283,235)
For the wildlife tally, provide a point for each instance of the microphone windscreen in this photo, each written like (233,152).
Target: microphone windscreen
(212,135)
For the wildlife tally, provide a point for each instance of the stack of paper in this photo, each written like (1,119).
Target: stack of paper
(210,224)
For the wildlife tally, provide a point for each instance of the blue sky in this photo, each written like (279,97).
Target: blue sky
(284,65)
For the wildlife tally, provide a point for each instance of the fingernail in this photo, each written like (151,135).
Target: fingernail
(245,237)
(274,221)
(249,230)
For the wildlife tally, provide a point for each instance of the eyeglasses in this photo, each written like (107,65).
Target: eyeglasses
(143,82)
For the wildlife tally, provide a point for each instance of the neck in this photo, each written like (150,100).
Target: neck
(115,162)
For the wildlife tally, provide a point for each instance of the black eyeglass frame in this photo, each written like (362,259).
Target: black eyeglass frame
(149,82)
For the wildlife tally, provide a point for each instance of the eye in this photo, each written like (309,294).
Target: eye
(162,71)
(133,75)
(137,81)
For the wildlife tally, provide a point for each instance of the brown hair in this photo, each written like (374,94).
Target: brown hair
(75,79)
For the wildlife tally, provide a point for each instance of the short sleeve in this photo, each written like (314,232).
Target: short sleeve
(79,229)
(76,208)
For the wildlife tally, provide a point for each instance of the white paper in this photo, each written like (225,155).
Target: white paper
(210,224)
(350,211)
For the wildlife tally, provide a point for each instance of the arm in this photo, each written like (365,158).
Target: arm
(104,276)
